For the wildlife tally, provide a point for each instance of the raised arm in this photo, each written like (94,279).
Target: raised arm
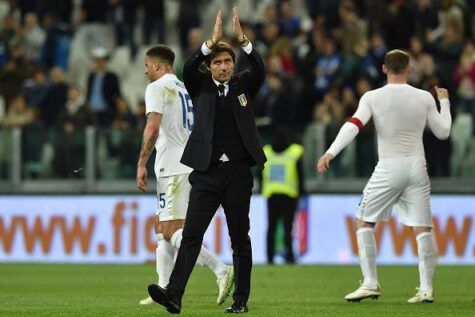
(347,133)
(440,123)
(192,75)
(255,76)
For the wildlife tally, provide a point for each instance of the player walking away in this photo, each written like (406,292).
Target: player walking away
(170,111)
(400,113)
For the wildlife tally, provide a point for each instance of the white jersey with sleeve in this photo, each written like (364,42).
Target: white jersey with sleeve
(400,113)
(168,96)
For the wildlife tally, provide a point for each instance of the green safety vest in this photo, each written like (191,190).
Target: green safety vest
(280,174)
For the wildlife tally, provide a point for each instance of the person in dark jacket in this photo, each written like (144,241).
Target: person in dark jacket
(222,147)
(103,88)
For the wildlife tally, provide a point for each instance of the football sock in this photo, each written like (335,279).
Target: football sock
(164,262)
(367,253)
(205,258)
(427,255)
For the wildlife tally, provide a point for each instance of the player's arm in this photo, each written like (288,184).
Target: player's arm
(440,123)
(347,133)
(150,135)
(192,75)
(154,104)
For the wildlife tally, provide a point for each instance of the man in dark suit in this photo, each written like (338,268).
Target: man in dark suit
(103,88)
(222,147)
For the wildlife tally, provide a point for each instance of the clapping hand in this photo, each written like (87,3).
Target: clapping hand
(237,26)
(217,31)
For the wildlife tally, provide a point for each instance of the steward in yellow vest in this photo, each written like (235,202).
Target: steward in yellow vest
(282,184)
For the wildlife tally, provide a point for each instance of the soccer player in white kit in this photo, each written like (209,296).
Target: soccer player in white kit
(169,123)
(400,113)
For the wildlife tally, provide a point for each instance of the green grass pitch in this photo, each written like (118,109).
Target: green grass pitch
(114,290)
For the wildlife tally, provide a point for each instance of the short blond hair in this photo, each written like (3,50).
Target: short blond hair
(396,61)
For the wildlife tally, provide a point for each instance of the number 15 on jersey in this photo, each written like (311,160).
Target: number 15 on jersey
(187,108)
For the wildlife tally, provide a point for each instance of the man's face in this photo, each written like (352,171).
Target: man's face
(222,67)
(151,69)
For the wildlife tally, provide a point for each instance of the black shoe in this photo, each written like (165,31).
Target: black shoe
(164,298)
(237,308)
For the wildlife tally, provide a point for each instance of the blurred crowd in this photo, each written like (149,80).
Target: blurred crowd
(68,64)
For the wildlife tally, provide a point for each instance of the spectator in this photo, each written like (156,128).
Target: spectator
(55,99)
(123,139)
(275,104)
(352,30)
(188,18)
(12,76)
(124,17)
(465,80)
(398,24)
(154,20)
(35,88)
(270,33)
(72,121)
(8,33)
(422,63)
(103,88)
(326,67)
(18,114)
(446,52)
(366,140)
(427,19)
(289,24)
(32,38)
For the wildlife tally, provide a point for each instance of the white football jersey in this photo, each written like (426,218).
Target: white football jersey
(400,113)
(168,96)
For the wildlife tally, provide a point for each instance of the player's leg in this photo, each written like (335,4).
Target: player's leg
(414,211)
(205,257)
(367,254)
(164,257)
(376,204)
(427,251)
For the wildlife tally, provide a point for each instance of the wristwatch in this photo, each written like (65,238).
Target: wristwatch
(244,41)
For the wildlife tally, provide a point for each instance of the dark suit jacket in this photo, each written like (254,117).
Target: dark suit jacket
(110,88)
(203,93)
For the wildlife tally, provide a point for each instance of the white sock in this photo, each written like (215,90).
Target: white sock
(427,254)
(165,254)
(210,260)
(367,254)
(205,258)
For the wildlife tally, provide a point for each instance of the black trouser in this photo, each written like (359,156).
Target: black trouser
(280,206)
(230,185)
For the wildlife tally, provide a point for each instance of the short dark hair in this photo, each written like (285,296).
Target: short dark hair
(396,61)
(220,48)
(163,53)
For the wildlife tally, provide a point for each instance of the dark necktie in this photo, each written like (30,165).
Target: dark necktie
(221,90)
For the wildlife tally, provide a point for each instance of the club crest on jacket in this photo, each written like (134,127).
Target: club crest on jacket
(242,100)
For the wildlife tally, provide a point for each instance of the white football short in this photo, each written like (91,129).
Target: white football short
(402,182)
(173,193)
